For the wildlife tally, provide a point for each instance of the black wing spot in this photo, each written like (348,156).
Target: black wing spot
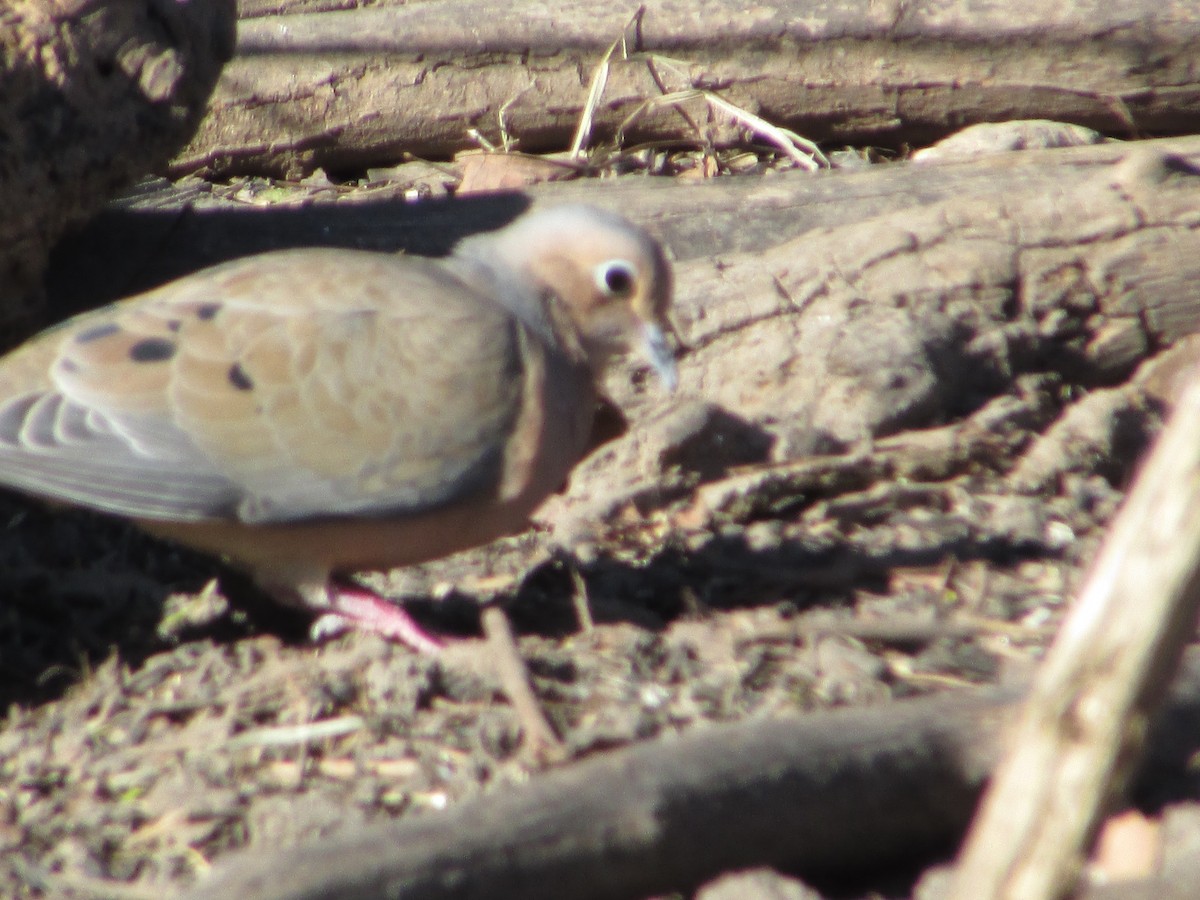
(96,332)
(174,324)
(152,349)
(207,311)
(239,379)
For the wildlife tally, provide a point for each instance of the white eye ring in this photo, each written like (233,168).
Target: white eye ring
(616,278)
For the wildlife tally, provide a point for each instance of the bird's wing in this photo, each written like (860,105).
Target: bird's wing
(287,386)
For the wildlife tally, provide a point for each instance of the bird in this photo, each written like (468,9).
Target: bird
(310,413)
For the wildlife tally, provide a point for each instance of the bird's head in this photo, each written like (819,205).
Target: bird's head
(605,275)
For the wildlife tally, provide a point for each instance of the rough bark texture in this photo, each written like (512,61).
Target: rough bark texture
(95,95)
(344,88)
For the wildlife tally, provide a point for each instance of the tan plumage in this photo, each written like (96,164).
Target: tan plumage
(311,411)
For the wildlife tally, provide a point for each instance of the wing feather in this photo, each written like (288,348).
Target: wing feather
(288,386)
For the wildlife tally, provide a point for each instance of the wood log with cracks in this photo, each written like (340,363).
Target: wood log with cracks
(832,341)
(347,88)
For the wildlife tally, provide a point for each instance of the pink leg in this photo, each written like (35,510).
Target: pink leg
(357,608)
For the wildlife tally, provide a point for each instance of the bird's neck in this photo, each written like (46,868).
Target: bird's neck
(541,310)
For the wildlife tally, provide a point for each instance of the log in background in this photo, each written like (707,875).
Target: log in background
(347,88)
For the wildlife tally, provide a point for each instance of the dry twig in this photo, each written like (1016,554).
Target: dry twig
(1082,729)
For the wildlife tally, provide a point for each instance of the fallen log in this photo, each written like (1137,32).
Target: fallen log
(840,790)
(347,88)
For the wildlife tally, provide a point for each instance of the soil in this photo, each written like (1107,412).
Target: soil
(161,713)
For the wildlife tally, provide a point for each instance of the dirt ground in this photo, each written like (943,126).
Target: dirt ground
(143,738)
(161,714)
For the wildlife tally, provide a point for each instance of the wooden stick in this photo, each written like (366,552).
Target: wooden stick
(1084,724)
(839,790)
(823,790)
(540,738)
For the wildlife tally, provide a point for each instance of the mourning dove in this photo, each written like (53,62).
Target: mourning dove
(319,411)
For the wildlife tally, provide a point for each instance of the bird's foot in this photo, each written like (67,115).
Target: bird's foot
(361,610)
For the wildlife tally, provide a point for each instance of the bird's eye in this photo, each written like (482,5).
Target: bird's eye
(616,278)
